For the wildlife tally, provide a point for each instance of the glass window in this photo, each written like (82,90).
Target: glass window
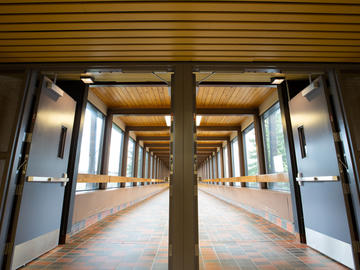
(140,162)
(130,158)
(251,162)
(214,166)
(275,155)
(151,166)
(235,160)
(211,168)
(90,150)
(226,164)
(116,144)
(219,163)
(147,165)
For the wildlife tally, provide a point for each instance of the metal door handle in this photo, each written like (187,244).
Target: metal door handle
(301,179)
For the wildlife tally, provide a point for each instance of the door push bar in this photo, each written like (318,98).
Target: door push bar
(301,179)
(62,180)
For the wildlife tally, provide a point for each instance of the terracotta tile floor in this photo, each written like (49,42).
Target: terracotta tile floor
(136,238)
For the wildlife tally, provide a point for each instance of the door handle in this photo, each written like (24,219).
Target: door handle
(301,179)
(302,141)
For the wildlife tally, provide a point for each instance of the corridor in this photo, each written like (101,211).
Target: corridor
(136,238)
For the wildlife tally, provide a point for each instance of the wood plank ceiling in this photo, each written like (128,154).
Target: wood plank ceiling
(131,97)
(248,31)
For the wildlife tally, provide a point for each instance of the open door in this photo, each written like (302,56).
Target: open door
(44,174)
(321,173)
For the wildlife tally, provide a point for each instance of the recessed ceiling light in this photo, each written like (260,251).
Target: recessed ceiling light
(87,79)
(277,80)
(198,120)
(168,120)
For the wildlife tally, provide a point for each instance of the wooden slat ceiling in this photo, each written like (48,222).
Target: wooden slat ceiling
(230,97)
(102,30)
(134,97)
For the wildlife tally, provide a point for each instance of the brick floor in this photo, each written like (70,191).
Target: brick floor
(137,238)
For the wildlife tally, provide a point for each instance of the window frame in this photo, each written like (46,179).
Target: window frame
(93,186)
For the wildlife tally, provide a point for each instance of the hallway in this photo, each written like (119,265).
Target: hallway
(136,238)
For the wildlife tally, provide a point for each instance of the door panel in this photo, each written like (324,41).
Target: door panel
(325,216)
(41,204)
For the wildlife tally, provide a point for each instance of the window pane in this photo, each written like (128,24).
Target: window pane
(214,166)
(219,164)
(140,162)
(226,164)
(146,164)
(251,163)
(117,137)
(151,166)
(275,154)
(130,158)
(236,162)
(91,145)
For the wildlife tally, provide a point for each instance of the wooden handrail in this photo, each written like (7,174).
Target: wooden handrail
(100,178)
(261,178)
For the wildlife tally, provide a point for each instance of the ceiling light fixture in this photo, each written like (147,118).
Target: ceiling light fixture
(198,120)
(168,120)
(87,79)
(277,80)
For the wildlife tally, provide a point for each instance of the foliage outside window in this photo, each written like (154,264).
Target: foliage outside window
(90,150)
(251,162)
(116,144)
(275,155)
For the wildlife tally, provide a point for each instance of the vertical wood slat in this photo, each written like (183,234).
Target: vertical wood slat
(260,148)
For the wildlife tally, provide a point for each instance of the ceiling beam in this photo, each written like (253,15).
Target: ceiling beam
(227,111)
(127,84)
(218,128)
(153,138)
(209,144)
(212,138)
(148,128)
(237,84)
(167,144)
(167,150)
(140,111)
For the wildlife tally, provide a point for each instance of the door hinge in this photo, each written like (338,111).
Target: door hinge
(19,189)
(8,248)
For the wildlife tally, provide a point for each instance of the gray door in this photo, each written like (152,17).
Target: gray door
(319,176)
(40,211)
